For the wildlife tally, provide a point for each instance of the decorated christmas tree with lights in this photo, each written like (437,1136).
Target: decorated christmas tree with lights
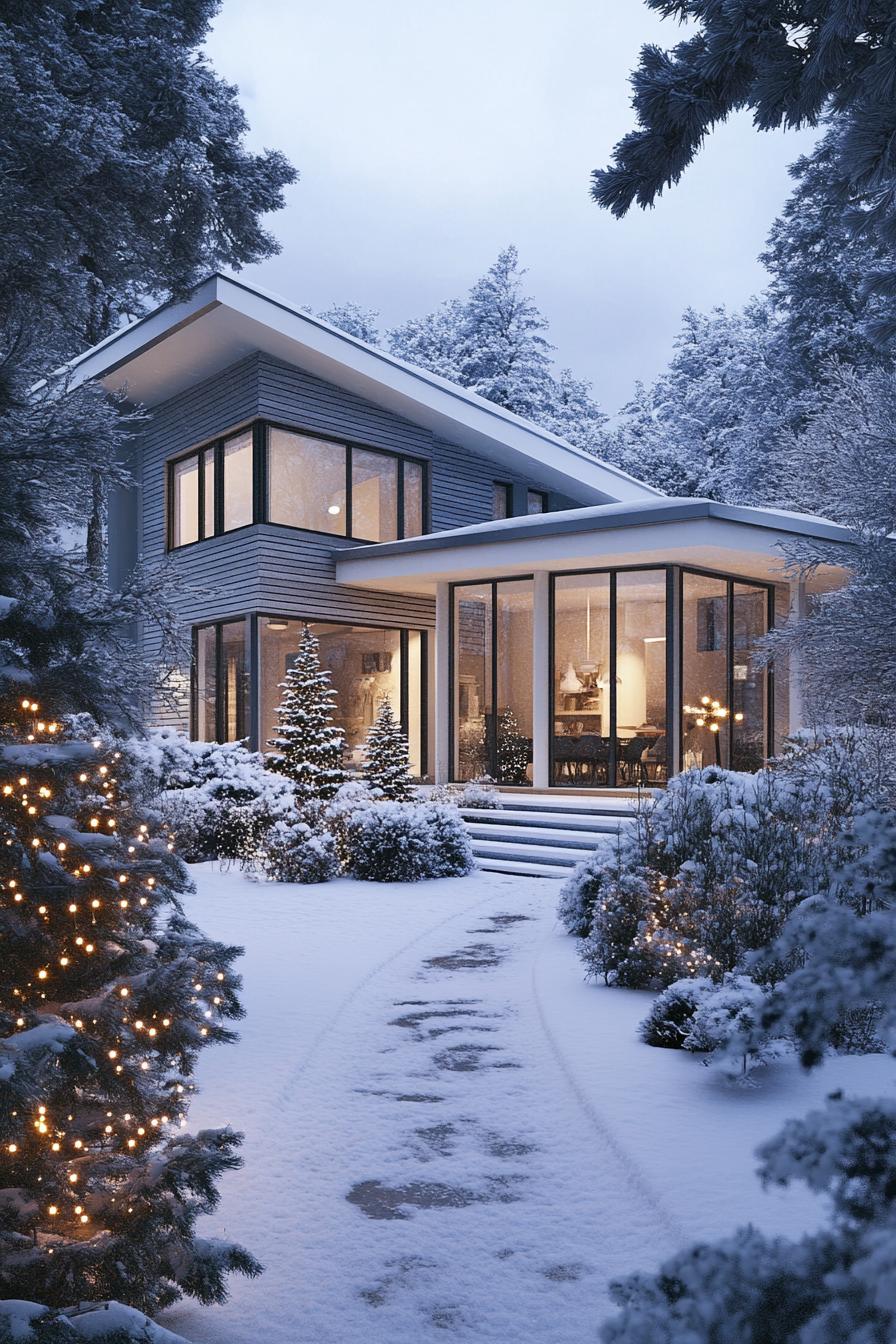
(107,996)
(308,746)
(387,767)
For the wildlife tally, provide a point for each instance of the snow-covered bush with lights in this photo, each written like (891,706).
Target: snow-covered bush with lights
(404,842)
(714,866)
(107,996)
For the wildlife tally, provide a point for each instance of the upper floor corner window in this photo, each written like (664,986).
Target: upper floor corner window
(296,480)
(327,486)
(306,482)
(536,501)
(211,490)
(502,500)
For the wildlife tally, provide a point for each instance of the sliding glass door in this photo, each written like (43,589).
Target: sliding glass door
(491,638)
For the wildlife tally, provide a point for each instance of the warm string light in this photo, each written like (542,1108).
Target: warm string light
(127,1129)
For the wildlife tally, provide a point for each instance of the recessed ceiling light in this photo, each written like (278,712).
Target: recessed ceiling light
(335,508)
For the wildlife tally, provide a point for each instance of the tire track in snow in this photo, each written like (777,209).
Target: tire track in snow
(288,1087)
(631,1169)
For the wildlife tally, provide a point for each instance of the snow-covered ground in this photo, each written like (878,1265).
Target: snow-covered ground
(448,1132)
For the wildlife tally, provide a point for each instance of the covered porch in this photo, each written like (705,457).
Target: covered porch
(605,648)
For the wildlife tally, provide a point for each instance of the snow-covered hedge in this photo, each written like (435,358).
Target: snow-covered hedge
(403,842)
(716,863)
(100,1322)
(217,798)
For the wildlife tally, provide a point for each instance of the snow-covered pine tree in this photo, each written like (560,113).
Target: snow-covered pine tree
(494,342)
(387,767)
(107,995)
(308,746)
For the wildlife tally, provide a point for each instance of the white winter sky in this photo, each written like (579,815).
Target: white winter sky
(429,136)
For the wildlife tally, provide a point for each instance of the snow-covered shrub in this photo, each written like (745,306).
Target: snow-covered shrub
(293,851)
(672,1013)
(452,852)
(833,1285)
(713,867)
(100,1322)
(353,797)
(404,842)
(217,799)
(840,988)
(481,792)
(727,1023)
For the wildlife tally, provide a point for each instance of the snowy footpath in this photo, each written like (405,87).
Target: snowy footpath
(448,1132)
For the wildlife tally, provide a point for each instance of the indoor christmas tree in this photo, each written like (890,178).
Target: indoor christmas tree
(387,767)
(308,746)
(107,995)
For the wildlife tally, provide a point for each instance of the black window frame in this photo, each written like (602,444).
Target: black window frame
(507,488)
(730,580)
(542,495)
(260,501)
(404,660)
(220,704)
(491,727)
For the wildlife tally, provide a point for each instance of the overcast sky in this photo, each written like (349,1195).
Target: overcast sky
(428,136)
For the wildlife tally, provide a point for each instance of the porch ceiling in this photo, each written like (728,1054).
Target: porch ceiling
(732,539)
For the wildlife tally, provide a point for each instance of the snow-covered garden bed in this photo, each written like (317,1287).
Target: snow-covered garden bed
(448,1130)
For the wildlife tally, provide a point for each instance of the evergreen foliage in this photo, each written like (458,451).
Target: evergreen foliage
(494,342)
(308,746)
(386,767)
(125,173)
(107,996)
(841,465)
(402,842)
(793,62)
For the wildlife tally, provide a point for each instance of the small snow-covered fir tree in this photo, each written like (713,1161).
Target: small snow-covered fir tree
(308,745)
(387,767)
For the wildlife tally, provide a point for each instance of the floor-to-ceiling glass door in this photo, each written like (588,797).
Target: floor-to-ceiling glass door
(725,688)
(610,682)
(491,643)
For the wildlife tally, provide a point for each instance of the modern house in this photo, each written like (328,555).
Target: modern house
(532,612)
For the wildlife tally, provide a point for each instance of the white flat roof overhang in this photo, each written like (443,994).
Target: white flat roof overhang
(223,320)
(700,533)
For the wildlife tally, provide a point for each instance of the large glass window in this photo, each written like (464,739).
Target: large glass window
(221,682)
(212,490)
(366,665)
(724,716)
(306,482)
(492,706)
(236,466)
(300,480)
(609,691)
(374,496)
(185,502)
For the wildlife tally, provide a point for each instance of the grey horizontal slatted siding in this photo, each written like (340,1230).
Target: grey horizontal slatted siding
(278,570)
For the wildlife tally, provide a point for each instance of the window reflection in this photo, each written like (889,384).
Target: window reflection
(306,482)
(185,502)
(237,486)
(374,496)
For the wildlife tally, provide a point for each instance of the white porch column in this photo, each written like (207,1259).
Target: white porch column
(795,710)
(541,680)
(442,752)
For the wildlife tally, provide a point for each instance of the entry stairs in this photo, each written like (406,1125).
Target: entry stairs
(539,835)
